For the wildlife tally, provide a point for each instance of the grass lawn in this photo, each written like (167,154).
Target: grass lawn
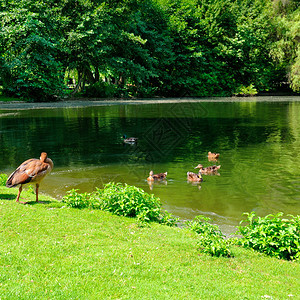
(49,251)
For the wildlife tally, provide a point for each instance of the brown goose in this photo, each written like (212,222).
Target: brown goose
(30,171)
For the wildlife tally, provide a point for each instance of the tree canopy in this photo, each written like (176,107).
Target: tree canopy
(138,48)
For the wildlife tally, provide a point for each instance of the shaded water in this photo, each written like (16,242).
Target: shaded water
(259,143)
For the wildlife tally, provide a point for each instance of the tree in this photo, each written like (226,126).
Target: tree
(286,43)
(30,68)
(146,48)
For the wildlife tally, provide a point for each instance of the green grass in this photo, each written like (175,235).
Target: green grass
(49,251)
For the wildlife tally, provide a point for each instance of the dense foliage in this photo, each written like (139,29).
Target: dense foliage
(3,179)
(122,200)
(100,48)
(272,235)
(211,240)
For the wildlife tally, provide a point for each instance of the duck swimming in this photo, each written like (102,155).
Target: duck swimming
(213,156)
(194,177)
(208,170)
(130,140)
(159,176)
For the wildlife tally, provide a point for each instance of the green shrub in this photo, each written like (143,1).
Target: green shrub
(3,179)
(128,201)
(168,219)
(271,235)
(101,89)
(77,200)
(211,239)
(246,91)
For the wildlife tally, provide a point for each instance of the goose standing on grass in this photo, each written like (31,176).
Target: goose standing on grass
(30,171)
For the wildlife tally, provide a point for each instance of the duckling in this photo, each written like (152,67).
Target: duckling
(208,170)
(159,176)
(130,140)
(213,156)
(194,177)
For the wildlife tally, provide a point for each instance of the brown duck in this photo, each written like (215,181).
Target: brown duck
(159,176)
(208,170)
(194,177)
(213,156)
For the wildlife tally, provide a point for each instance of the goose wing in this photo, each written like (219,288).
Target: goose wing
(30,170)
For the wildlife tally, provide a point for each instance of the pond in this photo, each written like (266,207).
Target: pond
(258,140)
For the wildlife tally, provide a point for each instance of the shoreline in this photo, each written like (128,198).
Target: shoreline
(81,102)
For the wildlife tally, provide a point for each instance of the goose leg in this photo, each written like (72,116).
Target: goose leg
(18,197)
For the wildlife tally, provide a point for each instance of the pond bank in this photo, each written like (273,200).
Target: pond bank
(64,253)
(80,102)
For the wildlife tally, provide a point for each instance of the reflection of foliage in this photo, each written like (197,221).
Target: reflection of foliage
(163,136)
(93,135)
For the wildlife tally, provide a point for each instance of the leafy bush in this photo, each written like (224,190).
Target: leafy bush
(128,201)
(246,91)
(3,179)
(77,200)
(211,239)
(101,89)
(168,219)
(272,235)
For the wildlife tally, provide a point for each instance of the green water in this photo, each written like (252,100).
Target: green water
(258,142)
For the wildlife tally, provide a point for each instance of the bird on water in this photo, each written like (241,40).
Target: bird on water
(130,140)
(30,171)
(159,176)
(213,156)
(208,170)
(193,177)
